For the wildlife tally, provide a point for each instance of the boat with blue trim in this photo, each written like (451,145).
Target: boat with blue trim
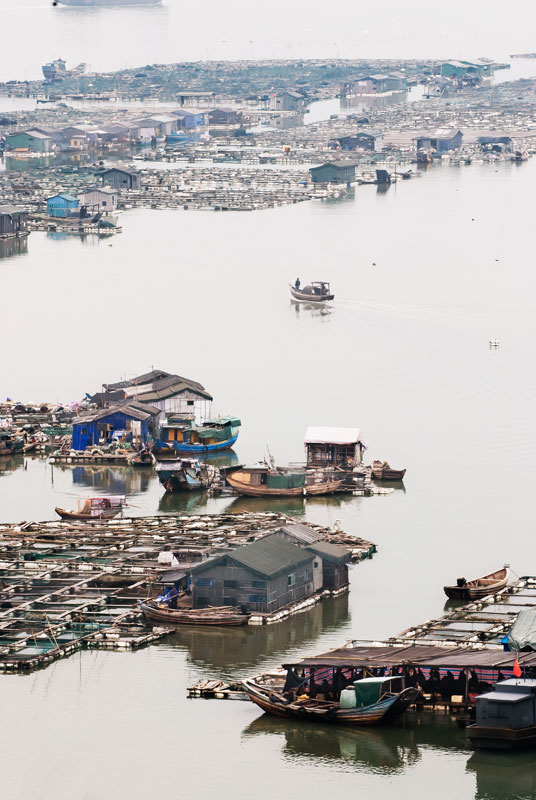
(179,435)
(185,475)
(368,701)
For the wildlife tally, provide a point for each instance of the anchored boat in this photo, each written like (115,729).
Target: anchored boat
(185,475)
(480,587)
(95,508)
(10,444)
(381,471)
(215,616)
(262,480)
(505,717)
(315,292)
(368,701)
(184,436)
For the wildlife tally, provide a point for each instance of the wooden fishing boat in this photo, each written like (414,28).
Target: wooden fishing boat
(180,436)
(381,471)
(214,616)
(185,475)
(264,481)
(29,447)
(315,292)
(94,508)
(369,702)
(480,587)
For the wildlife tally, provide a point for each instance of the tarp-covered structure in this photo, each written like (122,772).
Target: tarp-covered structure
(523,633)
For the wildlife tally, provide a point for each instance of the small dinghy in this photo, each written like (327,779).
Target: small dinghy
(381,471)
(480,587)
(217,615)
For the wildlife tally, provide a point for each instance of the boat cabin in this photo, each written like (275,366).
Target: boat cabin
(334,447)
(182,429)
(316,289)
(511,704)
(263,475)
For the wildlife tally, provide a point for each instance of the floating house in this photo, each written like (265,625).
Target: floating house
(98,200)
(333,172)
(126,422)
(13,222)
(120,178)
(174,395)
(465,69)
(441,140)
(366,140)
(287,101)
(375,84)
(259,577)
(62,205)
(195,98)
(188,120)
(224,116)
(334,447)
(34,141)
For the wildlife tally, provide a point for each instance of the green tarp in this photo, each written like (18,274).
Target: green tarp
(523,633)
(368,691)
(291,480)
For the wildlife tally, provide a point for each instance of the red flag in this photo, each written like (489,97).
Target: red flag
(517,669)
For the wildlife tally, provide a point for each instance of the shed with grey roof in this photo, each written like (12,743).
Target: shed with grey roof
(13,221)
(259,577)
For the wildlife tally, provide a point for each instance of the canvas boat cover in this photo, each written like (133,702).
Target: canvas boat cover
(523,633)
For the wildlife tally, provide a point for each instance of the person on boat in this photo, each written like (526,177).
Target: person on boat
(297,284)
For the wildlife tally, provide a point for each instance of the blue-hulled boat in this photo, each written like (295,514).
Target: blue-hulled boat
(179,436)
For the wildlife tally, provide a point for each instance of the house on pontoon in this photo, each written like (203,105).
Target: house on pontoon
(334,447)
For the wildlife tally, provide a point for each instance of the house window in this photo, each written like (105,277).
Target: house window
(316,564)
(292,579)
(189,402)
(104,202)
(203,582)
(230,584)
(84,431)
(257,598)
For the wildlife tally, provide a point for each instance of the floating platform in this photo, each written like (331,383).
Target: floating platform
(66,586)
(83,458)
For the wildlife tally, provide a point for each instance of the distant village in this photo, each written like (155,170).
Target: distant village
(74,168)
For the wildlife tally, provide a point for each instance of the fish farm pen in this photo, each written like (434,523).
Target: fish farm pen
(68,586)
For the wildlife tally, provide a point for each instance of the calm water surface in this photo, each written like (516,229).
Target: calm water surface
(424,275)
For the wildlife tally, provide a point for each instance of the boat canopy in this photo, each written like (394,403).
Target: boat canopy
(523,632)
(369,690)
(234,421)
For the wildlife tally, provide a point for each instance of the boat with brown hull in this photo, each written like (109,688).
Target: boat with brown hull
(386,705)
(264,481)
(382,471)
(480,587)
(213,616)
(94,508)
(315,292)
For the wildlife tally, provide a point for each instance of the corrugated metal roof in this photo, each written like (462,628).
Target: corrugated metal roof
(418,655)
(301,532)
(331,552)
(315,435)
